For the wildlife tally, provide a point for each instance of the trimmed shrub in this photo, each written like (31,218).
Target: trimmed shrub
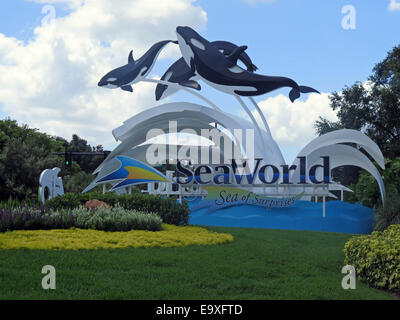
(376,258)
(113,219)
(168,209)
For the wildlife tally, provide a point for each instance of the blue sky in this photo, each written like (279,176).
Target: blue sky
(301,39)
(304,39)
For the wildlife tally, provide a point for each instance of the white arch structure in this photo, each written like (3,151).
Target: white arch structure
(346,136)
(133,137)
(133,134)
(332,145)
(243,105)
(188,115)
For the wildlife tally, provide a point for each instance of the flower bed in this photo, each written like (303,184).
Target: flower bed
(73,239)
(106,219)
(170,211)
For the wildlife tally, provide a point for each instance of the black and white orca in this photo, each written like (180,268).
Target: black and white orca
(179,72)
(133,72)
(223,73)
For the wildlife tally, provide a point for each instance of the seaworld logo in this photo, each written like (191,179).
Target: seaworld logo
(220,175)
(132,172)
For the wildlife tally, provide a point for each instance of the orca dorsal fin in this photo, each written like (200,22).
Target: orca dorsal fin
(234,56)
(130,58)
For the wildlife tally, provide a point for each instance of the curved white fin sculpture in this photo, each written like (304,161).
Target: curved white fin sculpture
(342,155)
(346,136)
(133,132)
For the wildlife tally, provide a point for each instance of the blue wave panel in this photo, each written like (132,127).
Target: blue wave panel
(304,215)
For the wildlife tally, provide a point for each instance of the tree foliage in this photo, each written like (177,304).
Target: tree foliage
(366,190)
(25,153)
(373,108)
(78,181)
(87,163)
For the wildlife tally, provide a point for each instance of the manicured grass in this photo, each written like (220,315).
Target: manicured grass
(258,264)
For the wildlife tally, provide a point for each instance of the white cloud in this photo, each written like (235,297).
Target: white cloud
(51,82)
(394,5)
(291,124)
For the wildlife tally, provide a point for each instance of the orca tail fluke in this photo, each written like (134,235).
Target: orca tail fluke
(295,92)
(305,89)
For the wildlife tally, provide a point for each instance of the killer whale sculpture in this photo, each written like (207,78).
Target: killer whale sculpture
(133,72)
(179,72)
(227,48)
(222,72)
(220,69)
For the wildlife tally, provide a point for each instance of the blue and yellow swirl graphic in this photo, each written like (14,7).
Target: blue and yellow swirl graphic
(132,172)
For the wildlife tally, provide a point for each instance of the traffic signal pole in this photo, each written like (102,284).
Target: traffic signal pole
(68,155)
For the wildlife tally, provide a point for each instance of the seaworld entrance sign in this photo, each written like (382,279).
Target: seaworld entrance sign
(268,181)
(221,174)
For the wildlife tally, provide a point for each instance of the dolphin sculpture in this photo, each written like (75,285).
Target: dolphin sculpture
(222,72)
(179,72)
(133,72)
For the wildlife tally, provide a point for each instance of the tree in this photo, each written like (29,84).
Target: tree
(87,163)
(373,108)
(78,182)
(24,153)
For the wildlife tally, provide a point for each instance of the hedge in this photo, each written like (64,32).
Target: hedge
(105,219)
(376,258)
(168,209)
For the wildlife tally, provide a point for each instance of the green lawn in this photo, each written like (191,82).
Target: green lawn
(259,264)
